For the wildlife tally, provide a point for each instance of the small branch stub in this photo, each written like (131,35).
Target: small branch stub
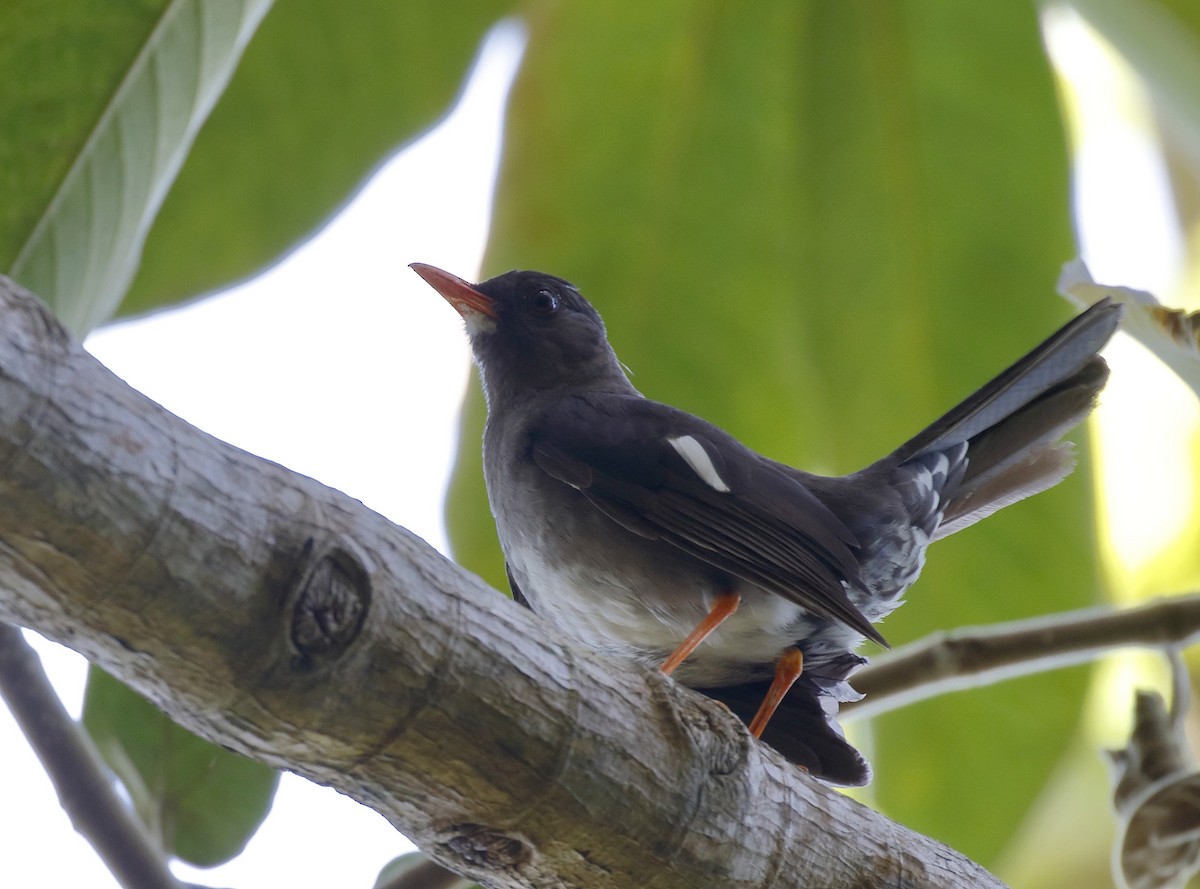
(480,846)
(1156,794)
(331,603)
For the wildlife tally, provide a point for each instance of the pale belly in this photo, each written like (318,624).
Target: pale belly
(595,606)
(624,595)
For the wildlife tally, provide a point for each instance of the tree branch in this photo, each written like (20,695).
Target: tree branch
(289,622)
(969,657)
(76,770)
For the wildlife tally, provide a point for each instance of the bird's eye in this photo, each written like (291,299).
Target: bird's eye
(542,302)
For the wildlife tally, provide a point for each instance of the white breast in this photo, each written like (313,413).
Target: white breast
(591,603)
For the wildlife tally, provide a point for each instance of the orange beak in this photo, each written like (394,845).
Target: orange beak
(454,290)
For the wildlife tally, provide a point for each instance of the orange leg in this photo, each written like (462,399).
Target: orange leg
(787,671)
(725,606)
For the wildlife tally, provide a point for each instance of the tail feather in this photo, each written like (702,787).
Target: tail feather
(1013,425)
(1056,361)
(805,727)
(1038,425)
(1043,469)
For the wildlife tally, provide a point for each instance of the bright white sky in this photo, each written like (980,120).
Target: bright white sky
(342,329)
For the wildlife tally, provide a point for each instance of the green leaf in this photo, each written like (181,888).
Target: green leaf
(324,93)
(820,225)
(103,101)
(416,869)
(82,253)
(1159,41)
(1171,334)
(61,64)
(201,801)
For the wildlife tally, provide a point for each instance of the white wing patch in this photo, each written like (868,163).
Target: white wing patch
(696,457)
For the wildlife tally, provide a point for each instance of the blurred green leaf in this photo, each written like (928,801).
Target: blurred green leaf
(201,801)
(820,225)
(1179,127)
(398,867)
(324,93)
(61,64)
(1159,40)
(82,253)
(103,100)
(415,870)
(1171,334)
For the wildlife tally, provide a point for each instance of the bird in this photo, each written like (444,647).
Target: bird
(644,532)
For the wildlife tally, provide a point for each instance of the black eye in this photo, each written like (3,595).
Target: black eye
(542,302)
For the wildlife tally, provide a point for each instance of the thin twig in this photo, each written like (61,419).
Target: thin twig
(75,768)
(969,657)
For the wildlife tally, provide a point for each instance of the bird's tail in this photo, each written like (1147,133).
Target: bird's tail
(1003,443)
(805,727)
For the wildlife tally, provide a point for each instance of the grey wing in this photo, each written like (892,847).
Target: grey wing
(666,475)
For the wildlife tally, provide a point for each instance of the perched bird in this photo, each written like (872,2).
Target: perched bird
(642,531)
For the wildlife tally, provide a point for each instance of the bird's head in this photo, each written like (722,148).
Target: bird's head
(530,332)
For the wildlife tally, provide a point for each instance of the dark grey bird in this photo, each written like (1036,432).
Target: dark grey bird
(644,532)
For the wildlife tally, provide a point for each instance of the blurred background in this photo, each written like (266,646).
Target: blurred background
(818,224)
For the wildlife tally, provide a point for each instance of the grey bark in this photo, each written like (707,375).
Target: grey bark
(972,657)
(287,621)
